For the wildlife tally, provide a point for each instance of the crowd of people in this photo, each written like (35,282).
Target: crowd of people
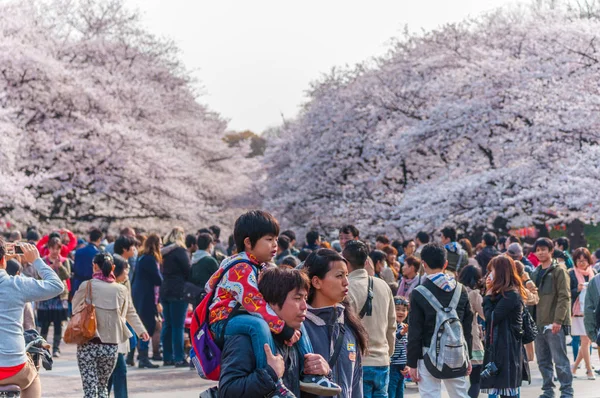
(349,318)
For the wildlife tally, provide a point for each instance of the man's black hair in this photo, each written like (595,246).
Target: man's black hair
(54,234)
(254,224)
(383,239)
(406,243)
(501,240)
(434,255)
(559,254)
(204,241)
(449,232)
(396,244)
(205,231)
(13,267)
(543,242)
(190,240)
(312,237)
(303,255)
(490,239)
(216,230)
(120,265)
(350,229)
(356,252)
(32,235)
(283,242)
(276,283)
(290,261)
(290,234)
(563,241)
(423,237)
(123,243)
(95,234)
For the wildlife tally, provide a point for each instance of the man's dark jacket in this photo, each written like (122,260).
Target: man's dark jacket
(240,378)
(422,316)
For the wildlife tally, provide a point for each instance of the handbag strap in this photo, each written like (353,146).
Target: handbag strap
(88,292)
(338,347)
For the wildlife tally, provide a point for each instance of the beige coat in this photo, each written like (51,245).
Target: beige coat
(476,301)
(114,308)
(381,325)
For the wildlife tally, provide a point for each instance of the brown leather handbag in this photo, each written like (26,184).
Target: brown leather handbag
(82,326)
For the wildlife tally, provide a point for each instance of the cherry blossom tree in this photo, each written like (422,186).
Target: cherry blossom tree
(496,116)
(107,122)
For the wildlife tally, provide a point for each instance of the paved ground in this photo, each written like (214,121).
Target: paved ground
(64,381)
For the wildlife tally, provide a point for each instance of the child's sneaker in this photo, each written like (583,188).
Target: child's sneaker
(281,391)
(319,385)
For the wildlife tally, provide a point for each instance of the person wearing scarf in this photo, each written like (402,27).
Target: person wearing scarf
(55,310)
(580,275)
(97,358)
(410,276)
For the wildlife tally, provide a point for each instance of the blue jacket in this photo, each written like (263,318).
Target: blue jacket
(323,326)
(146,277)
(240,377)
(83,268)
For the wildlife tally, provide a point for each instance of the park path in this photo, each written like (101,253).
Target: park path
(64,381)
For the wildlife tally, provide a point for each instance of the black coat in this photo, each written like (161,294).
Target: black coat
(422,318)
(176,271)
(240,377)
(145,279)
(508,346)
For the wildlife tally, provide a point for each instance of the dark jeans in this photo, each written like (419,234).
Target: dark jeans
(171,335)
(551,352)
(118,378)
(254,326)
(375,381)
(396,385)
(45,326)
(475,379)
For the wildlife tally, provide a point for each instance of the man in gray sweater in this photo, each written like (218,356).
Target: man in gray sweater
(15,367)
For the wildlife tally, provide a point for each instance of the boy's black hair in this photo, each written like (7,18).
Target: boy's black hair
(356,252)
(290,234)
(312,237)
(123,243)
(350,229)
(95,234)
(543,242)
(204,241)
(254,224)
(283,242)
(449,232)
(377,255)
(423,237)
(489,238)
(190,240)
(276,283)
(434,255)
(563,241)
(290,261)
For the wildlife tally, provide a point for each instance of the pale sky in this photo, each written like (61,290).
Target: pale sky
(255,59)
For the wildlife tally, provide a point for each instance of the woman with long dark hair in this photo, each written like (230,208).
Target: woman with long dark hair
(504,366)
(144,290)
(470,278)
(97,358)
(330,318)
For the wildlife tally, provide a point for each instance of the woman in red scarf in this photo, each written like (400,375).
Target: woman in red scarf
(580,275)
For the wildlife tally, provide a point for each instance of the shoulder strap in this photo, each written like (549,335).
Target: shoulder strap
(212,294)
(429,297)
(367,308)
(338,347)
(456,296)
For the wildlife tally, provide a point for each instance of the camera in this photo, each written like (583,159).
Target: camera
(490,370)
(13,249)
